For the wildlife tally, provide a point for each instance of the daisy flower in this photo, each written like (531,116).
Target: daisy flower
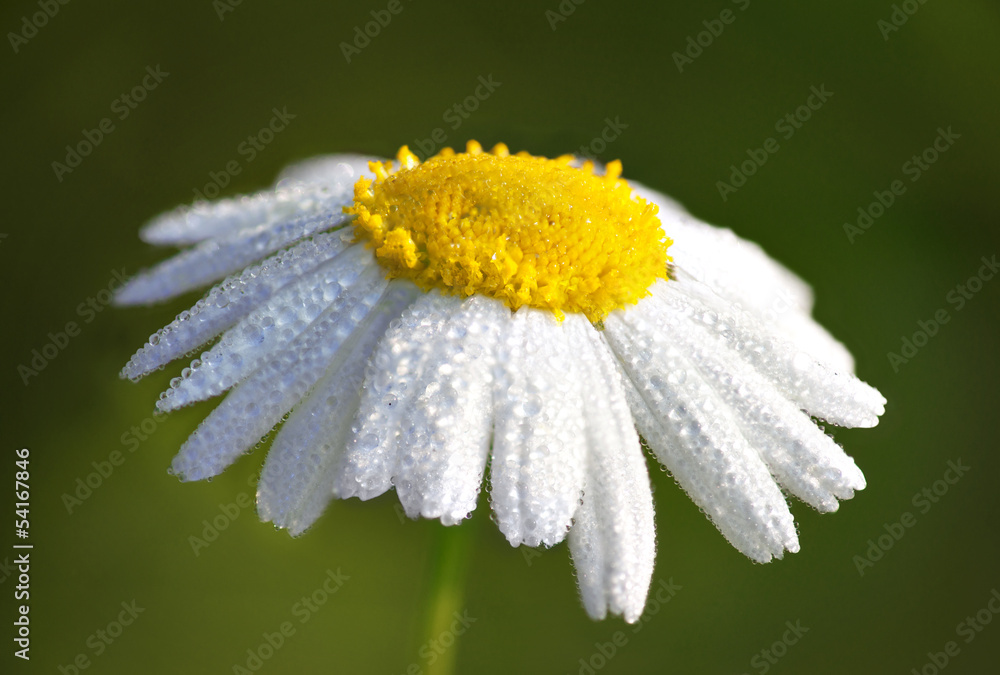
(421,325)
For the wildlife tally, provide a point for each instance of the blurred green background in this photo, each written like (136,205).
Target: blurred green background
(678,129)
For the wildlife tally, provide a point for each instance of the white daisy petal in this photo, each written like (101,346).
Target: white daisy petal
(259,403)
(207,220)
(803,332)
(839,398)
(339,173)
(612,540)
(447,421)
(740,271)
(298,477)
(799,454)
(735,268)
(230,301)
(329,291)
(215,258)
(390,385)
(297,480)
(694,436)
(539,438)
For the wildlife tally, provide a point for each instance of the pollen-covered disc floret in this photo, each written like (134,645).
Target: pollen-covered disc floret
(523,229)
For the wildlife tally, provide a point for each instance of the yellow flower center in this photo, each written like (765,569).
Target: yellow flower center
(525,230)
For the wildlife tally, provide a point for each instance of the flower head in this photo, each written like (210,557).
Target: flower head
(524,230)
(418,322)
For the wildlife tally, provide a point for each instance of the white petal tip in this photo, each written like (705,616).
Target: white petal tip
(184,473)
(597,613)
(138,291)
(294,529)
(450,519)
(831,506)
(165,405)
(191,463)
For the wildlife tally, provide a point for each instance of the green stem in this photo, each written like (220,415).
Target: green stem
(447,569)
